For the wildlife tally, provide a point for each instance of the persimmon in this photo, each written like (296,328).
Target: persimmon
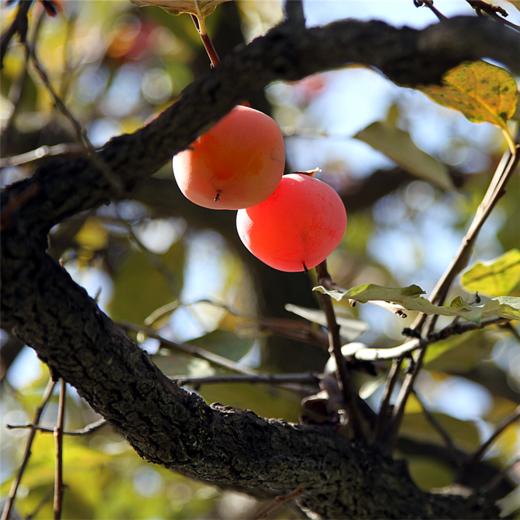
(235,164)
(296,227)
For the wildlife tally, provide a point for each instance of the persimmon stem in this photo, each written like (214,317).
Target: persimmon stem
(206,40)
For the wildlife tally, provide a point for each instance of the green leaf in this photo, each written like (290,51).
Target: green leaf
(428,473)
(410,298)
(140,287)
(459,353)
(224,343)
(500,276)
(481,91)
(464,433)
(264,400)
(398,146)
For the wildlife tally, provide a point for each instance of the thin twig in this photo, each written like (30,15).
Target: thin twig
(495,481)
(81,134)
(508,421)
(270,379)
(17,90)
(342,371)
(67,75)
(294,12)
(58,442)
(89,428)
(385,410)
(278,502)
(496,189)
(6,513)
(190,350)
(406,348)
(41,152)
(437,426)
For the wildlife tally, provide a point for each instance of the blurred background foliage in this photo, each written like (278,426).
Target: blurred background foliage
(117,65)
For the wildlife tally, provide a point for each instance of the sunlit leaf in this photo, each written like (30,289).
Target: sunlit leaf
(410,298)
(481,91)
(92,235)
(500,276)
(398,146)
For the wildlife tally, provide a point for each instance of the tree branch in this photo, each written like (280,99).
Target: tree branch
(163,422)
(405,55)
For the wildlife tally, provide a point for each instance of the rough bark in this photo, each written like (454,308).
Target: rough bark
(163,422)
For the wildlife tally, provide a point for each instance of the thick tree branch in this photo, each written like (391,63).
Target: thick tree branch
(405,55)
(163,422)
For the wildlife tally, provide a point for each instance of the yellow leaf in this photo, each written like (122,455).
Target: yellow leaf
(93,235)
(481,91)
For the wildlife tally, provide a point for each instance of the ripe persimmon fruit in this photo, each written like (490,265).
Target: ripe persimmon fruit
(236,164)
(297,226)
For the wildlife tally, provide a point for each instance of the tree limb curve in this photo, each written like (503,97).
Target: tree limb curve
(167,424)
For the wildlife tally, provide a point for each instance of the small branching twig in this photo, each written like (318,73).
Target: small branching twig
(508,421)
(342,371)
(86,430)
(406,348)
(199,352)
(58,441)
(6,513)
(81,134)
(186,348)
(279,502)
(431,7)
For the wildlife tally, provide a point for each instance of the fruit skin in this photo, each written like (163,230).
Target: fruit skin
(295,228)
(236,164)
